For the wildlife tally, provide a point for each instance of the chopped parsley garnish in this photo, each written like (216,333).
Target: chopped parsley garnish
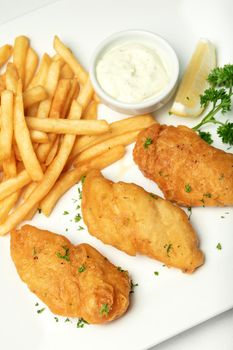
(56,319)
(168,248)
(37,304)
(77,218)
(78,207)
(81,268)
(65,256)
(104,310)
(41,310)
(133,285)
(39,211)
(153,195)
(120,269)
(80,228)
(222,217)
(188,188)
(170,113)
(219,246)
(80,193)
(148,142)
(187,98)
(81,323)
(206,136)
(156,273)
(65,212)
(67,320)
(190,212)
(83,179)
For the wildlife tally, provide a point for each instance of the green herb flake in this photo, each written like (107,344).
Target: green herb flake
(190,212)
(80,193)
(219,246)
(120,269)
(206,136)
(64,256)
(65,212)
(148,142)
(170,113)
(188,188)
(156,273)
(81,323)
(78,207)
(37,304)
(41,310)
(81,268)
(133,285)
(187,98)
(56,319)
(168,248)
(83,179)
(80,228)
(104,310)
(77,218)
(67,320)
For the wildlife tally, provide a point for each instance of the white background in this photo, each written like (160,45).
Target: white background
(214,334)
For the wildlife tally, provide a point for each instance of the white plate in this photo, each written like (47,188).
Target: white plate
(163,305)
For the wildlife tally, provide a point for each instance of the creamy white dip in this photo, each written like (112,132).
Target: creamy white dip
(132,72)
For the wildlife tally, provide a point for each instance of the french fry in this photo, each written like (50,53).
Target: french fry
(9,166)
(85,94)
(51,175)
(50,87)
(12,77)
(23,139)
(7,204)
(41,76)
(31,64)
(91,111)
(6,133)
(2,82)
(117,128)
(102,147)
(32,110)
(28,191)
(21,46)
(58,102)
(34,95)
(52,151)
(65,126)
(70,178)
(73,93)
(66,72)
(38,136)
(70,59)
(5,54)
(14,184)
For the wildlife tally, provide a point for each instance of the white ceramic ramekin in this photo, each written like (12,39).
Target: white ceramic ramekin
(153,40)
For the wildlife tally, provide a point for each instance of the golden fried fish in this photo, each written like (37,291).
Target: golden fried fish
(188,170)
(74,281)
(135,221)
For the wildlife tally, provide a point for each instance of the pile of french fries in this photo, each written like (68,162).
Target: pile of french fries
(49,133)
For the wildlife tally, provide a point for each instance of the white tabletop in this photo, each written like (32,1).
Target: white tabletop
(214,334)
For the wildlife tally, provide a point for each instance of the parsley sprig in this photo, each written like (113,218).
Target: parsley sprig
(219,95)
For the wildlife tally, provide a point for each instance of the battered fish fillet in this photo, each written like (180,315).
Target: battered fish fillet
(74,281)
(135,221)
(188,170)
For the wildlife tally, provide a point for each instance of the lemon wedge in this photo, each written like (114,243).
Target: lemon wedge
(194,83)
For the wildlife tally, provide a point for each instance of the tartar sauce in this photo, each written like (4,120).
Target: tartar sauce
(132,72)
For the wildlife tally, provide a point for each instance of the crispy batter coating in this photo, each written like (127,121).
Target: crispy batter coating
(188,170)
(135,221)
(74,281)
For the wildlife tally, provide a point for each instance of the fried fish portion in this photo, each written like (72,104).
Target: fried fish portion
(74,281)
(135,221)
(188,170)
